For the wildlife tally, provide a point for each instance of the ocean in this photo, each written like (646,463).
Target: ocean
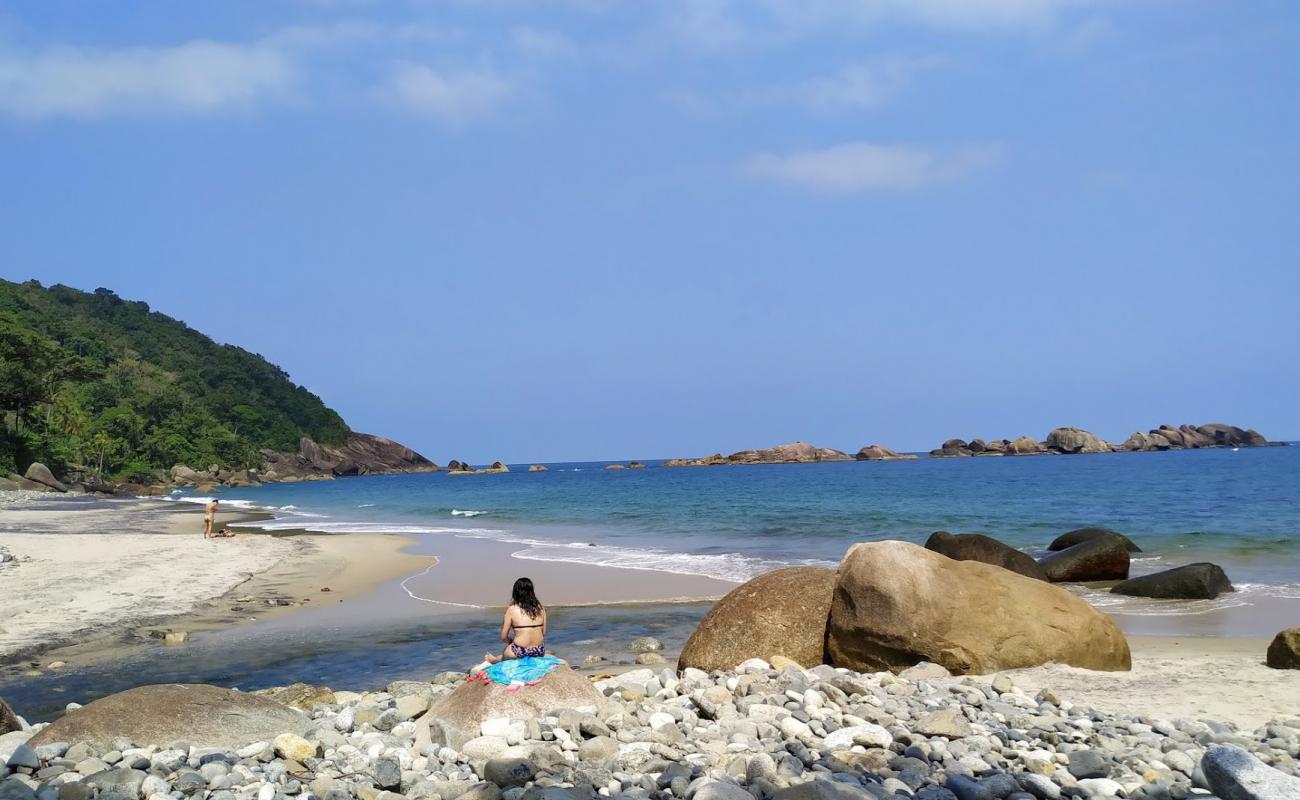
(1239,509)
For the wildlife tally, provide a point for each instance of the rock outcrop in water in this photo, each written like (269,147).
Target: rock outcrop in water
(1200,581)
(1071,538)
(1071,441)
(878,452)
(1104,558)
(360,454)
(986,550)
(793,453)
(463,468)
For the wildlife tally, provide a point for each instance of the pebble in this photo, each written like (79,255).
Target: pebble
(764,731)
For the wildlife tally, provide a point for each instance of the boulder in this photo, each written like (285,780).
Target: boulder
(1201,581)
(1103,558)
(1024,446)
(951,448)
(459,716)
(897,604)
(10,485)
(533,468)
(877,452)
(1284,650)
(497,466)
(793,453)
(615,466)
(39,473)
(986,550)
(1075,440)
(635,465)
(185,476)
(782,613)
(8,719)
(1234,774)
(204,716)
(1088,534)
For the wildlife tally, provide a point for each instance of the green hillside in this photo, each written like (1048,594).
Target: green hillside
(92,380)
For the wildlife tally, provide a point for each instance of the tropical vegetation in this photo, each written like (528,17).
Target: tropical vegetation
(93,383)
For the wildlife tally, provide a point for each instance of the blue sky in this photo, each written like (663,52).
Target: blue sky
(601,229)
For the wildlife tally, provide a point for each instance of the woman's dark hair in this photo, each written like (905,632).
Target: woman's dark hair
(524,597)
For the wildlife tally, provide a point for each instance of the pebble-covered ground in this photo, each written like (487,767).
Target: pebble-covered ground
(750,734)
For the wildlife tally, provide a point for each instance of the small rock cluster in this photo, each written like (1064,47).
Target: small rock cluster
(752,733)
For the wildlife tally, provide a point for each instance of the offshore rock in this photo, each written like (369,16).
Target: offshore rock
(1201,581)
(1074,537)
(986,550)
(1103,558)
(1075,440)
(780,613)
(897,604)
(793,453)
(878,452)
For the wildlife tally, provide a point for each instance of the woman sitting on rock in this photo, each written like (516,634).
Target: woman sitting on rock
(524,627)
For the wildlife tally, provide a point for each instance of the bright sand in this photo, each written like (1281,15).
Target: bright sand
(1217,679)
(146,565)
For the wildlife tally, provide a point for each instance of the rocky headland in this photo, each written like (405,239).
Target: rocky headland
(360,454)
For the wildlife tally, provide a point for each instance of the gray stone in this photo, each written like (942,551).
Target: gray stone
(822,790)
(117,784)
(508,771)
(1088,764)
(646,644)
(24,756)
(14,789)
(967,788)
(1234,774)
(387,772)
(721,790)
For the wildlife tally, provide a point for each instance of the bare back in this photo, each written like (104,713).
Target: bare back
(528,631)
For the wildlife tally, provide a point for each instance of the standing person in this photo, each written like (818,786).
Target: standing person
(209,517)
(524,627)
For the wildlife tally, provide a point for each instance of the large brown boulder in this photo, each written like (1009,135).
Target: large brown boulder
(1284,650)
(204,716)
(1071,538)
(986,550)
(1104,558)
(878,452)
(1025,446)
(8,719)
(1201,581)
(1075,440)
(780,613)
(897,604)
(459,716)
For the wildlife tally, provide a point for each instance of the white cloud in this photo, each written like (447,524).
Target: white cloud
(454,99)
(867,166)
(855,87)
(196,77)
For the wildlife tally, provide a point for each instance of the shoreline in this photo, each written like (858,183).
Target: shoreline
(141,549)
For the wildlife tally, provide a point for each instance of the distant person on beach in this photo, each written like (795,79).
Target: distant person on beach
(524,627)
(209,517)
(224,533)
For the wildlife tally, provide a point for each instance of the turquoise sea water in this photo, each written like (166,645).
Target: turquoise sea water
(1239,509)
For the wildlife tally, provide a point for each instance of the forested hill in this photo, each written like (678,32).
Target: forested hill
(89,380)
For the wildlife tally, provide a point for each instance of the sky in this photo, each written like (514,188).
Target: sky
(599,229)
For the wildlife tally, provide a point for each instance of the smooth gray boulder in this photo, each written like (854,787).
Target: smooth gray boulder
(205,716)
(1234,774)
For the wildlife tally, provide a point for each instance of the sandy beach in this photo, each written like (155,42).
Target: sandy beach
(84,579)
